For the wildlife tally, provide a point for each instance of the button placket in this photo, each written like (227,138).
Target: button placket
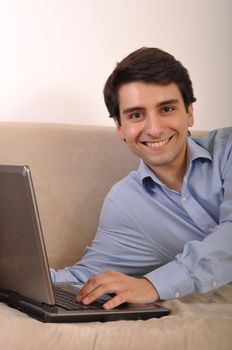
(197,213)
(184,199)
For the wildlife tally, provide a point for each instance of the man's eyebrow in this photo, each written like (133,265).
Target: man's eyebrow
(168,102)
(133,109)
(160,104)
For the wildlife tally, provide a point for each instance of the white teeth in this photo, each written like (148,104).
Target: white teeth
(156,144)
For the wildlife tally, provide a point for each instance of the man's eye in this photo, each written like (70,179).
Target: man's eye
(136,115)
(167,109)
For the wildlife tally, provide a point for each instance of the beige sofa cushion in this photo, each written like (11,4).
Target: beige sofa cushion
(198,322)
(73,167)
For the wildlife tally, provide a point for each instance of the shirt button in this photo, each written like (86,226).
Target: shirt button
(184,199)
(211,229)
(214,284)
(177,294)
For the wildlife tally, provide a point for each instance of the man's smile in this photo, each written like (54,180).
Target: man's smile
(157,144)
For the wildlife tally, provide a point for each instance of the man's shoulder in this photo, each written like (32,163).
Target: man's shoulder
(215,141)
(125,185)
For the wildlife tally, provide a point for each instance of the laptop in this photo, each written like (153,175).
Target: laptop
(25,282)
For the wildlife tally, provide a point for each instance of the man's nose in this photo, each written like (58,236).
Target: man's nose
(154,125)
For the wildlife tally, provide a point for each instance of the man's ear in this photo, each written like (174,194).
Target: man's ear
(119,130)
(190,115)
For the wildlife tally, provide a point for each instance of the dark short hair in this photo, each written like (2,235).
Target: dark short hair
(149,65)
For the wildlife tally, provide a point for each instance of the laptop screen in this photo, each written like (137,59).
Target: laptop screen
(23,260)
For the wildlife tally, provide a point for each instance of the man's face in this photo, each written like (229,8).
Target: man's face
(154,123)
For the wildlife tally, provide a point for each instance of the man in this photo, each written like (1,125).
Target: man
(165,230)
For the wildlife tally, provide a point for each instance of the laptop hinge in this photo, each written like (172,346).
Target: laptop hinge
(14,299)
(50,308)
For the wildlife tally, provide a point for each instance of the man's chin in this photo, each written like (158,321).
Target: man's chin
(157,162)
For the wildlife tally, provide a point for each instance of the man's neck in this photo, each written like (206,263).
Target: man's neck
(172,175)
(172,179)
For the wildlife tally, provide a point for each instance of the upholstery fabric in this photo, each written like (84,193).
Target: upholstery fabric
(66,162)
(197,322)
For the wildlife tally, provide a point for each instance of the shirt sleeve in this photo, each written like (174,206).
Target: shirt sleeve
(118,245)
(203,265)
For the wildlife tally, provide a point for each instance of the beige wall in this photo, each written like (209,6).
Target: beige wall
(56,54)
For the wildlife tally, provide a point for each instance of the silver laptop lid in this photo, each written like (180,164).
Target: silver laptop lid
(23,259)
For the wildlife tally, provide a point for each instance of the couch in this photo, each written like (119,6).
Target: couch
(73,167)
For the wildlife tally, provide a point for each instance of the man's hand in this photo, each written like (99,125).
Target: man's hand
(127,289)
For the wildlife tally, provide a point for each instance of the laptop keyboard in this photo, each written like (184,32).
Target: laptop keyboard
(68,301)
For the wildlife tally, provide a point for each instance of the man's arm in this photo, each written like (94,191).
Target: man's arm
(119,245)
(203,265)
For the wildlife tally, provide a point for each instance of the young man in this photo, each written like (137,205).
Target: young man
(165,230)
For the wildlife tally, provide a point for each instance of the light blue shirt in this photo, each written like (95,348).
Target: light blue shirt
(181,242)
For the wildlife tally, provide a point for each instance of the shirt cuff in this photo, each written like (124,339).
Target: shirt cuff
(171,281)
(61,276)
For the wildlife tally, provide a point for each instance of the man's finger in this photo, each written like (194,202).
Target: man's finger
(98,292)
(94,283)
(115,301)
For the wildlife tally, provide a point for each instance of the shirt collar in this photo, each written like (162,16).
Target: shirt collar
(195,151)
